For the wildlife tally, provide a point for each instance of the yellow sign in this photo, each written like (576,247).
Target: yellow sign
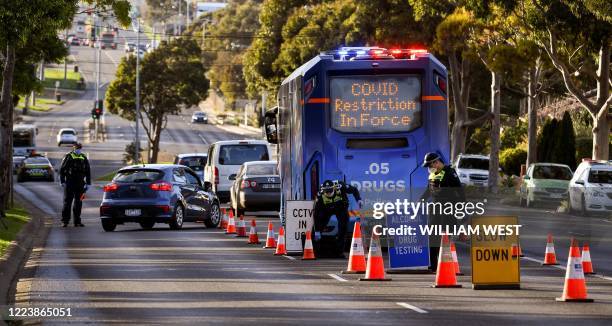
(495,263)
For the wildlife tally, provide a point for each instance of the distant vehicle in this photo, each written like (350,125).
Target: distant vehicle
(75,41)
(158,193)
(195,161)
(473,170)
(545,182)
(256,188)
(130,47)
(199,116)
(108,40)
(17,160)
(225,159)
(35,168)
(590,190)
(24,139)
(66,136)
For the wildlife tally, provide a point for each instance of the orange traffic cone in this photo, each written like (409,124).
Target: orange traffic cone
(587,265)
(253,239)
(223,223)
(357,262)
(575,287)
(241,228)
(549,255)
(445,276)
(375,269)
(455,260)
(231,224)
(308,249)
(516,251)
(280,246)
(270,242)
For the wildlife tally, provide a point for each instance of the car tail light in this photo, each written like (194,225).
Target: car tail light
(164,208)
(248,184)
(111,187)
(216,176)
(104,210)
(253,184)
(161,186)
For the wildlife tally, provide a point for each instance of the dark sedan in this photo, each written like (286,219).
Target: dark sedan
(158,193)
(256,187)
(35,168)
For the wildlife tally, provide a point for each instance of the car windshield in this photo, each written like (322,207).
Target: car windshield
(36,160)
(474,163)
(200,114)
(262,169)
(128,176)
(67,132)
(238,154)
(552,172)
(600,176)
(22,139)
(196,163)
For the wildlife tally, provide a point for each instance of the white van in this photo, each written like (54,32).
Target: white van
(225,159)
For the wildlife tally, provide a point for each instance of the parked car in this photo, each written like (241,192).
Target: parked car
(256,188)
(75,41)
(473,170)
(158,193)
(545,183)
(590,190)
(66,136)
(199,116)
(130,47)
(17,160)
(35,168)
(195,161)
(225,159)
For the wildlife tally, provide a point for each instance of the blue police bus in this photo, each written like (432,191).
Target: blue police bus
(363,115)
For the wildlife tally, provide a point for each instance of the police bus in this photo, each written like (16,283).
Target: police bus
(363,115)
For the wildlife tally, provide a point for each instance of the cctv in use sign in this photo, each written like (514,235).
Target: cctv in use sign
(299,218)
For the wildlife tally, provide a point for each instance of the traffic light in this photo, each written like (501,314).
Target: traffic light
(97,110)
(93,114)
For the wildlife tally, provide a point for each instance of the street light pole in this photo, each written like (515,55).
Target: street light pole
(98,55)
(137,142)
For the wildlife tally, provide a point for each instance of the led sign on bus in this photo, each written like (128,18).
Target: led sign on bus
(375,103)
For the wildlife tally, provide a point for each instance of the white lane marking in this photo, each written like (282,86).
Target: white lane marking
(111,58)
(337,278)
(562,267)
(411,307)
(289,257)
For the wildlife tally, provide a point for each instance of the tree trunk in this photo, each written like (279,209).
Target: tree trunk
(495,129)
(459,130)
(6,129)
(601,137)
(156,138)
(532,105)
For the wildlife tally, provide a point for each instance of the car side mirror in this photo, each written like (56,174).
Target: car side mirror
(207,186)
(580,182)
(232,177)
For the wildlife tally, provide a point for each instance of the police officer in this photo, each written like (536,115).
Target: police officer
(443,186)
(333,199)
(75,177)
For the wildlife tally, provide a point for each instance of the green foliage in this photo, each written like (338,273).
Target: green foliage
(479,141)
(510,160)
(511,137)
(16,218)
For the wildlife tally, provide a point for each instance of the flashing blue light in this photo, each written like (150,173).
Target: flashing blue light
(342,52)
(361,52)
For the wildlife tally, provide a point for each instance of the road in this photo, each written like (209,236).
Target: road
(202,276)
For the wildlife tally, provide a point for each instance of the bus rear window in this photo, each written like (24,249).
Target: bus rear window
(374,104)
(238,154)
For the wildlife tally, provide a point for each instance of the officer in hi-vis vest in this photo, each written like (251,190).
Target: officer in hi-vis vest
(443,186)
(332,199)
(75,177)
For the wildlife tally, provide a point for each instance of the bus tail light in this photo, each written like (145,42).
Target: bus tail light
(216,177)
(441,82)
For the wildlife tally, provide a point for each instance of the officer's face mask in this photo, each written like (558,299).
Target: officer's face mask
(78,151)
(431,169)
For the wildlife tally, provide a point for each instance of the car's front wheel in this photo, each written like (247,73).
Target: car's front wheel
(177,219)
(108,225)
(215,216)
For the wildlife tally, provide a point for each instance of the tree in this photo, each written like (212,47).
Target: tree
(171,77)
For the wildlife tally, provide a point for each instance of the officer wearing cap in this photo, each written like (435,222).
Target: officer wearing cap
(443,186)
(332,199)
(75,178)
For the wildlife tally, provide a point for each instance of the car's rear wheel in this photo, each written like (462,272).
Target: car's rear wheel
(214,218)
(147,225)
(177,219)
(108,225)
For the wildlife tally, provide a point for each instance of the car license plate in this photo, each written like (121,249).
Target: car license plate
(36,172)
(271,186)
(132,212)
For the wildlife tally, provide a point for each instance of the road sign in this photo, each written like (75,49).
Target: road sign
(493,264)
(298,219)
(408,253)
(57,84)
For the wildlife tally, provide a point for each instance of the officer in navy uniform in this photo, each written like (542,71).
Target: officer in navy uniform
(75,178)
(443,186)
(333,199)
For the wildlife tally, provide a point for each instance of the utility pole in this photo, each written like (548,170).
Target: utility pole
(98,55)
(180,17)
(137,142)
(65,61)
(263,112)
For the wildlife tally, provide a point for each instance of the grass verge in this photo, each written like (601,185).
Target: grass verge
(57,74)
(15,219)
(42,104)
(107,177)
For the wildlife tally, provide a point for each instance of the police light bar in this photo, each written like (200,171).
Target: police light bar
(375,53)
(408,53)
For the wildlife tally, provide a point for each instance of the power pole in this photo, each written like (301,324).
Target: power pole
(98,55)
(137,142)
(65,61)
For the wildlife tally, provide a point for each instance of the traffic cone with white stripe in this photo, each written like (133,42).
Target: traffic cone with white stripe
(375,269)
(574,289)
(445,275)
(241,228)
(455,260)
(549,255)
(357,262)
(587,265)
(253,238)
(280,243)
(270,242)
(308,249)
(231,224)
